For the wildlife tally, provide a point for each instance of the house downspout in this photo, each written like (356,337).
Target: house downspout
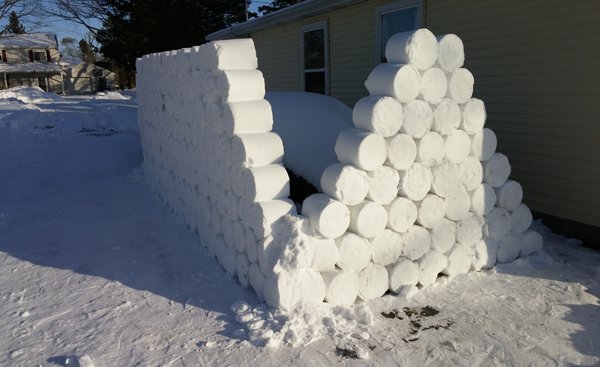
(5,81)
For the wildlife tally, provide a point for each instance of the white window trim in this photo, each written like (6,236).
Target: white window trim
(308,28)
(388,8)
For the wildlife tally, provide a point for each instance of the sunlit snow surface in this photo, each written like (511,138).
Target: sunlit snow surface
(95,269)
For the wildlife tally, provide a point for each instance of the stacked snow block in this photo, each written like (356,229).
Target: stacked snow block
(210,154)
(419,189)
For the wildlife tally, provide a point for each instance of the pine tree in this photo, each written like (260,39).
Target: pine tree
(14,24)
(86,52)
(276,5)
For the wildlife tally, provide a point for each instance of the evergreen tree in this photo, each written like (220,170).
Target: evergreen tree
(14,24)
(136,28)
(86,52)
(276,5)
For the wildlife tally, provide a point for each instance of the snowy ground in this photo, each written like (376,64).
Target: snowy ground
(92,263)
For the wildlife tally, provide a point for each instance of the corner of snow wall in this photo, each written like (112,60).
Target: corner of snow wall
(211,156)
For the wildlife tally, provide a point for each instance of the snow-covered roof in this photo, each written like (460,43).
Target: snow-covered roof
(28,40)
(69,61)
(304,9)
(30,67)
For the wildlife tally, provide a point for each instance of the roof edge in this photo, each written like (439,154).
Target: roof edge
(286,15)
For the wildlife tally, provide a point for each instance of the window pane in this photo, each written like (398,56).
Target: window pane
(314,82)
(396,22)
(314,49)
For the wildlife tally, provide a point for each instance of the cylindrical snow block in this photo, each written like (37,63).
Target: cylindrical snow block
(289,288)
(342,287)
(457,205)
(402,214)
(483,199)
(239,236)
(430,265)
(508,249)
(460,85)
(430,210)
(395,80)
(446,179)
(240,85)
(433,85)
(345,183)
(451,55)
(470,230)
(325,254)
(251,249)
(368,219)
(402,151)
(417,241)
(373,282)
(497,224)
(530,242)
(496,170)
(361,148)
(509,195)
(459,260)
(472,173)
(520,219)
(418,118)
(381,115)
(257,280)
(415,182)
(248,117)
(430,149)
(383,185)
(354,252)
(229,54)
(242,267)
(447,116)
(255,150)
(457,146)
(260,216)
(443,235)
(484,254)
(402,273)
(417,47)
(266,183)
(474,116)
(386,247)
(330,218)
(483,144)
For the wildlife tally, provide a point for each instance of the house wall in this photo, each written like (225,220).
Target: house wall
(17,55)
(54,81)
(536,66)
(80,79)
(351,51)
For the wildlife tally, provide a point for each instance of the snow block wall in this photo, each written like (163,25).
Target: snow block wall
(210,154)
(418,191)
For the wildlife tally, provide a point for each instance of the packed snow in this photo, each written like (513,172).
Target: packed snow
(96,270)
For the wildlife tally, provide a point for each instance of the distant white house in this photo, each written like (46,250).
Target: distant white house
(82,77)
(30,59)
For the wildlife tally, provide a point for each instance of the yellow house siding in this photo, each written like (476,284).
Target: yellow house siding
(536,67)
(352,49)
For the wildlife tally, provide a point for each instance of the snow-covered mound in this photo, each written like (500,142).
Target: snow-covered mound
(111,95)
(29,95)
(308,124)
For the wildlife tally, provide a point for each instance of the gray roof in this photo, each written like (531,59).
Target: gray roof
(305,9)
(28,40)
(30,67)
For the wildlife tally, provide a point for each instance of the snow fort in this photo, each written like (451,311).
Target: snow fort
(417,190)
